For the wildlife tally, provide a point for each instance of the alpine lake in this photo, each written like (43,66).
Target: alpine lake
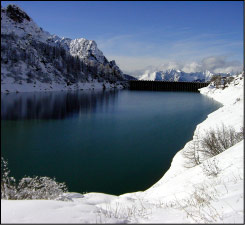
(111,141)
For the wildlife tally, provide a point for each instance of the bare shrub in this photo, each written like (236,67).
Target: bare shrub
(124,211)
(191,153)
(213,143)
(229,79)
(39,188)
(221,82)
(197,205)
(210,167)
(217,81)
(217,141)
(29,188)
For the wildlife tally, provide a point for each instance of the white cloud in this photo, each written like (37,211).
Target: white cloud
(176,49)
(216,64)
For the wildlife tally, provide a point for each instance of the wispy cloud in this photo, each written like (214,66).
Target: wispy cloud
(127,45)
(216,64)
(176,48)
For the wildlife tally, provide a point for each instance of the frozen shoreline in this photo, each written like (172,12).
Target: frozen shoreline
(9,86)
(156,204)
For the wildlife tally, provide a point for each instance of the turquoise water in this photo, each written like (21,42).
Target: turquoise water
(99,141)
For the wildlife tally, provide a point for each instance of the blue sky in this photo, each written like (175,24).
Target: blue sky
(140,34)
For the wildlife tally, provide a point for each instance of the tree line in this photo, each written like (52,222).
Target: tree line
(37,54)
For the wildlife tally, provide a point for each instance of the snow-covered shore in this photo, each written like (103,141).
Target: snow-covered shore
(9,86)
(181,196)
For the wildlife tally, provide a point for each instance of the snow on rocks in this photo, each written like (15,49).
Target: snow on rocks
(176,75)
(85,48)
(30,54)
(15,20)
(80,47)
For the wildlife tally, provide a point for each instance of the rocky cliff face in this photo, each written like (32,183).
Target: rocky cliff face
(29,55)
(83,48)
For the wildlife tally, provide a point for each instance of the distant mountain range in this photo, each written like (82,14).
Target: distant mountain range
(178,75)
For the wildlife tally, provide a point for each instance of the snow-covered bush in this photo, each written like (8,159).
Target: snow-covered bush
(39,188)
(228,80)
(8,184)
(210,167)
(221,82)
(216,80)
(28,187)
(217,141)
(213,143)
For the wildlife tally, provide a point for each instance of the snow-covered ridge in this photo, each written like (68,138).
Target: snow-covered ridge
(26,26)
(33,56)
(177,75)
(81,47)
(164,201)
(22,26)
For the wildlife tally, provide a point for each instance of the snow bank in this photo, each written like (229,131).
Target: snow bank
(230,114)
(51,211)
(181,196)
(180,181)
(10,86)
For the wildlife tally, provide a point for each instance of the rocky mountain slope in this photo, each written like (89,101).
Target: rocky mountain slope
(178,75)
(33,59)
(129,77)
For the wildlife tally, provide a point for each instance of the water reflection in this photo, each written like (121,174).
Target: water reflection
(55,105)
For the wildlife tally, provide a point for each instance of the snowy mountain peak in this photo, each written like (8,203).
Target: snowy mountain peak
(30,55)
(86,49)
(81,47)
(15,13)
(176,75)
(15,21)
